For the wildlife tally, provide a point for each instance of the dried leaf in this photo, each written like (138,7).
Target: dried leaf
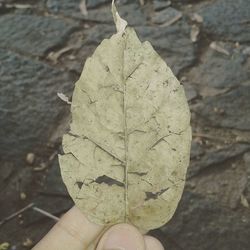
(63,98)
(54,56)
(210,91)
(195,31)
(197,18)
(19,6)
(166,16)
(83,7)
(27,242)
(142,2)
(246,51)
(244,201)
(218,48)
(126,155)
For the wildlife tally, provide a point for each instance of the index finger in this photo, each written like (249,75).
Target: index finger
(73,231)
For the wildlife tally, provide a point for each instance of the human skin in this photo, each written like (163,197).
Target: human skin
(75,232)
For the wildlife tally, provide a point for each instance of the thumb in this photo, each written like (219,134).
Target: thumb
(122,237)
(74,231)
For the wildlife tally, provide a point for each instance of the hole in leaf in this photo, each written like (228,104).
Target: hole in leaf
(109,181)
(154,196)
(79,184)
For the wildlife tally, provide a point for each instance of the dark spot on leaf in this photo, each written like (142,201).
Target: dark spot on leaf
(108,180)
(138,173)
(165,83)
(154,196)
(73,135)
(107,68)
(79,184)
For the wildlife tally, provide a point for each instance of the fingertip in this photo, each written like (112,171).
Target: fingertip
(122,236)
(152,243)
(72,231)
(76,224)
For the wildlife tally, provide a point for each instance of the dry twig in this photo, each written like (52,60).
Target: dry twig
(216,138)
(45,213)
(12,216)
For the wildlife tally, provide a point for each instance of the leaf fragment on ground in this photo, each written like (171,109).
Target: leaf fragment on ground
(244,201)
(195,31)
(215,46)
(83,7)
(54,56)
(19,6)
(63,98)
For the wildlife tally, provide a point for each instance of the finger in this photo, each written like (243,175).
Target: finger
(152,243)
(73,231)
(122,237)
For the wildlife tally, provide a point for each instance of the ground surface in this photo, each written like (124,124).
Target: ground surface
(43,46)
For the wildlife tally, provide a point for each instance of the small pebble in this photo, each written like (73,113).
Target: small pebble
(41,167)
(23,196)
(234,166)
(192,185)
(27,242)
(72,57)
(246,51)
(30,158)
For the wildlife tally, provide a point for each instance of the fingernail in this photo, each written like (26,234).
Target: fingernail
(122,237)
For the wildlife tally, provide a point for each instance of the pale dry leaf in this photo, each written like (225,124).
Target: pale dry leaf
(172,21)
(206,91)
(244,201)
(195,31)
(19,6)
(246,51)
(63,98)
(27,242)
(142,2)
(83,7)
(126,155)
(197,18)
(215,46)
(54,56)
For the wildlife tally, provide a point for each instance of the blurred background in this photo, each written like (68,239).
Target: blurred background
(43,47)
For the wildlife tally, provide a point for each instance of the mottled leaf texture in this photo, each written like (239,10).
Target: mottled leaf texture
(126,155)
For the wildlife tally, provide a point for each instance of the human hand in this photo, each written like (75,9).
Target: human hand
(75,232)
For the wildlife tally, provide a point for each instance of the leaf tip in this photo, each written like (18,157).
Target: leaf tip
(120,23)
